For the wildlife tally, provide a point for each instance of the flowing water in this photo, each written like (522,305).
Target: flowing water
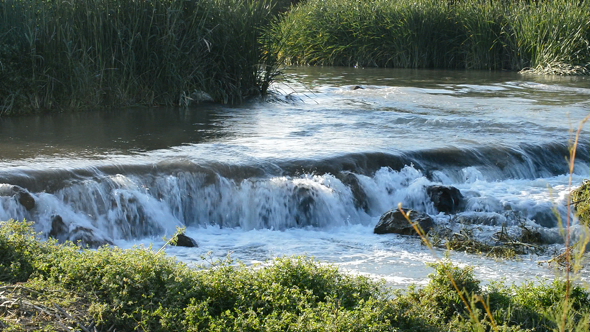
(310,171)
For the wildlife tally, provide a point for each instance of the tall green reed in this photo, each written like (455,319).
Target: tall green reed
(97,53)
(548,33)
(469,34)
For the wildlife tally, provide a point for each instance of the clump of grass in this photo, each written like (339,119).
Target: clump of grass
(550,35)
(581,200)
(470,34)
(103,53)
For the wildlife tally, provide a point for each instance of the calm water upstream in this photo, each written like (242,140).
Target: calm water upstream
(311,172)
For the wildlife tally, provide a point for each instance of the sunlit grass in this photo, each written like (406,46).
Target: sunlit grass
(468,34)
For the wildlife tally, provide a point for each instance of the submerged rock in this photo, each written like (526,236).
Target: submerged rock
(306,202)
(358,193)
(82,236)
(184,241)
(394,221)
(59,229)
(446,199)
(546,218)
(23,196)
(87,238)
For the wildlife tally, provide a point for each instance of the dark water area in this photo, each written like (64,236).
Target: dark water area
(310,169)
(115,131)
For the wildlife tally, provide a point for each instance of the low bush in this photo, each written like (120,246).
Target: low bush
(581,201)
(63,287)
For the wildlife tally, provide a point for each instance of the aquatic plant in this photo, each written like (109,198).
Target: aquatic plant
(103,53)
(467,34)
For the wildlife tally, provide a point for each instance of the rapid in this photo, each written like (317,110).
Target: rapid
(310,170)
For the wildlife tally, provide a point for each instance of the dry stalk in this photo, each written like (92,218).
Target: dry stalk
(26,307)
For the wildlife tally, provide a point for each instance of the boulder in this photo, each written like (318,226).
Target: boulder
(87,238)
(446,199)
(185,241)
(394,221)
(59,229)
(22,195)
(26,199)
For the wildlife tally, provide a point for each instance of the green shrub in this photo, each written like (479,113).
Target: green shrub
(581,200)
(20,248)
(154,292)
(140,289)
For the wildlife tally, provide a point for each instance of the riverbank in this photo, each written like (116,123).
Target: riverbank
(549,37)
(58,56)
(46,286)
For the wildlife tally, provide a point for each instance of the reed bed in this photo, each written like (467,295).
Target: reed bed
(99,53)
(461,34)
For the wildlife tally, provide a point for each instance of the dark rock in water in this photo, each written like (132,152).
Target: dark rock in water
(26,199)
(59,229)
(394,221)
(545,218)
(86,238)
(82,236)
(306,201)
(446,199)
(185,241)
(22,195)
(360,197)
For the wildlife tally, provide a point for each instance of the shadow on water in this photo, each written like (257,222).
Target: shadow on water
(425,78)
(114,131)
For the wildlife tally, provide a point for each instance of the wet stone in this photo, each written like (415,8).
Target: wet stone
(446,199)
(185,241)
(395,222)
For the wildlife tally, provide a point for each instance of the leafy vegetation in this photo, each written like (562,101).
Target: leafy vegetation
(51,287)
(57,55)
(548,36)
(103,53)
(581,201)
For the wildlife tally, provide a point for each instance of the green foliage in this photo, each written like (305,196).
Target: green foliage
(140,289)
(470,34)
(20,247)
(448,285)
(541,306)
(581,200)
(103,53)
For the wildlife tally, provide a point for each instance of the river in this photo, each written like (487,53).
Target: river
(310,170)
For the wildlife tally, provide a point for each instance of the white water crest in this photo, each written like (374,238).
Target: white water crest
(311,171)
